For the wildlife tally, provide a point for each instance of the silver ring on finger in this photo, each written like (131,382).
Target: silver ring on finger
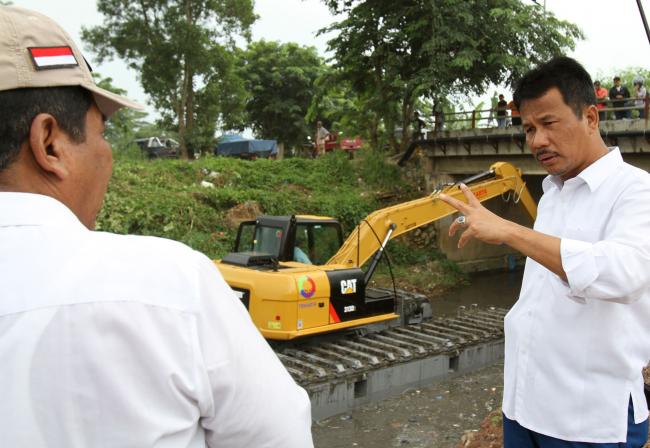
(461,220)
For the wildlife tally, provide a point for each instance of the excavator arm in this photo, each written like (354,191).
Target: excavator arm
(383,225)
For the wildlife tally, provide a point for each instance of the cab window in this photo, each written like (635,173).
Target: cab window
(268,240)
(319,241)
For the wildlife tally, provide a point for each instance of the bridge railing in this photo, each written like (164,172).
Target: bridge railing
(487,118)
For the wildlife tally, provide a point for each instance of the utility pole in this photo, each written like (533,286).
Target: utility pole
(645,22)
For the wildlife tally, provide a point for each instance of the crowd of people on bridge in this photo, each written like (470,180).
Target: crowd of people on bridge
(617,103)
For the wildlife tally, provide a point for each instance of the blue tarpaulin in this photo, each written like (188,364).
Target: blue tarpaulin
(246,148)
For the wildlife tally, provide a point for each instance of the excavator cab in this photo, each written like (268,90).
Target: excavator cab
(303,239)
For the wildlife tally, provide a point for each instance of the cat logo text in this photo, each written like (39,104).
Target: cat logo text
(349,286)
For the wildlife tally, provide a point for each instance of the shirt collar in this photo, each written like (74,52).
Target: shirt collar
(594,175)
(29,209)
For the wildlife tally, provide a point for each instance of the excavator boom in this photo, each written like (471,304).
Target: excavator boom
(385,224)
(290,298)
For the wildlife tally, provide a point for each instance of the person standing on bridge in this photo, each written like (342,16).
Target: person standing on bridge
(502,112)
(601,100)
(110,340)
(641,94)
(620,93)
(579,335)
(514,113)
(418,126)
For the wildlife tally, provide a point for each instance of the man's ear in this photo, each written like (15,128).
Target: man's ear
(591,115)
(48,144)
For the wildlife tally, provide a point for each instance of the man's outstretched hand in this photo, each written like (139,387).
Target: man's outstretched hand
(479,222)
(482,224)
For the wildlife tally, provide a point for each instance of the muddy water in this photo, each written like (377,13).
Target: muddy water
(484,289)
(432,417)
(438,415)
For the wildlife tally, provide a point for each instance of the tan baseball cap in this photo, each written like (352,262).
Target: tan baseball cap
(36,52)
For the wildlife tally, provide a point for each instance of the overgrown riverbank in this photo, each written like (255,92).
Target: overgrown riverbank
(201,203)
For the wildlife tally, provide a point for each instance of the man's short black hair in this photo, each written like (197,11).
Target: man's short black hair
(617,78)
(18,108)
(567,75)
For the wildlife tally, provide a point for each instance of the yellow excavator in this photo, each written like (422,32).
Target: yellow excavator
(298,278)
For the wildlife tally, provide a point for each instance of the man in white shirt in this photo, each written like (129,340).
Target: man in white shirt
(579,335)
(110,340)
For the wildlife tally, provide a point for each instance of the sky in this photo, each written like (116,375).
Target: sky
(614,34)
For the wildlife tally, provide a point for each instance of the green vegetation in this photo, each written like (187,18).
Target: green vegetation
(280,80)
(182,51)
(388,59)
(425,270)
(393,54)
(166,198)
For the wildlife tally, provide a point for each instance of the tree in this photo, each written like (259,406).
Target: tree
(396,52)
(342,108)
(280,81)
(177,48)
(121,129)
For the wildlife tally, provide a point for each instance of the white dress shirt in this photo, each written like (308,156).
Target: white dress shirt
(127,341)
(574,351)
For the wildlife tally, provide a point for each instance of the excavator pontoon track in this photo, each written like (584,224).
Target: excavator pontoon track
(342,373)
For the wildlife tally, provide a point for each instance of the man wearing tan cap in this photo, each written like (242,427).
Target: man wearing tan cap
(110,340)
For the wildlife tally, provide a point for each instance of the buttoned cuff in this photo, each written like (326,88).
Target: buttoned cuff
(579,264)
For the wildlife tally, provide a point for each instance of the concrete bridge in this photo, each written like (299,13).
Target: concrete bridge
(450,156)
(469,151)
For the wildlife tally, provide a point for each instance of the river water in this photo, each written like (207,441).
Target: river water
(485,289)
(438,415)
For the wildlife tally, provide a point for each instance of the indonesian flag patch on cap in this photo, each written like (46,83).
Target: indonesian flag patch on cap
(52,57)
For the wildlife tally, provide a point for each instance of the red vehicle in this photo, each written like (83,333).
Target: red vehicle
(347,144)
(350,144)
